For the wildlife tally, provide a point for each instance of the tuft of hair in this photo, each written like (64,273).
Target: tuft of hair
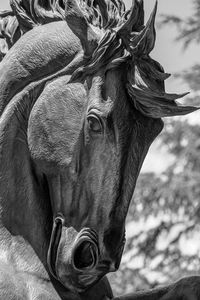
(26,14)
(130,43)
(125,39)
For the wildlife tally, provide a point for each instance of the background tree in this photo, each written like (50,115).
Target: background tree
(163,241)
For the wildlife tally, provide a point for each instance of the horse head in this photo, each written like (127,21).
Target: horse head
(88,133)
(89,137)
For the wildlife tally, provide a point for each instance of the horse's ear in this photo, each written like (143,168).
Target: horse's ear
(135,19)
(79,25)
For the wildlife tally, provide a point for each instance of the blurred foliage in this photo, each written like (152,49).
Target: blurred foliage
(192,78)
(163,222)
(188,28)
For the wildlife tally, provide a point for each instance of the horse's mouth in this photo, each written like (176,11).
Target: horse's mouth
(73,257)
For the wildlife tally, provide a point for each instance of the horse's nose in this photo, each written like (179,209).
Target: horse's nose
(85,255)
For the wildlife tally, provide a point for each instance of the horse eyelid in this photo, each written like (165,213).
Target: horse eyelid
(94,118)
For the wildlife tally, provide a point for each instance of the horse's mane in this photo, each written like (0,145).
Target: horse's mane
(126,40)
(26,14)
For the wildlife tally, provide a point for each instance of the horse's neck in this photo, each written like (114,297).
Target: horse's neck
(24,211)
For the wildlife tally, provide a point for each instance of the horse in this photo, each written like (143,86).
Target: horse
(81,101)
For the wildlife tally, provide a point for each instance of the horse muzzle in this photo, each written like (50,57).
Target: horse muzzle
(73,257)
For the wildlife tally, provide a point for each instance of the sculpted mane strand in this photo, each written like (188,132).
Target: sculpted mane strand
(122,38)
(27,14)
(131,45)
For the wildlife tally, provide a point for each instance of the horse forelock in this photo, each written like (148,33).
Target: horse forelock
(130,43)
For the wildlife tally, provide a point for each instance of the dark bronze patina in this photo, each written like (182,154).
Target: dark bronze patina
(81,102)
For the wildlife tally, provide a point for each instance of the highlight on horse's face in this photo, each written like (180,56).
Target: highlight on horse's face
(84,139)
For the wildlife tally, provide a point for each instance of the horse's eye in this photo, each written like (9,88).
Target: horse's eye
(94,124)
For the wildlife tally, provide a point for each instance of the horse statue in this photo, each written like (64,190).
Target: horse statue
(81,101)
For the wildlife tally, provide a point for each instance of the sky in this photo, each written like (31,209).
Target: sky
(172,57)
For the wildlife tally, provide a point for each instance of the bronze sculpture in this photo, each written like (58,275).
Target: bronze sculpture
(81,102)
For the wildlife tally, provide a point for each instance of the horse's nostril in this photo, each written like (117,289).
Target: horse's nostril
(85,255)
